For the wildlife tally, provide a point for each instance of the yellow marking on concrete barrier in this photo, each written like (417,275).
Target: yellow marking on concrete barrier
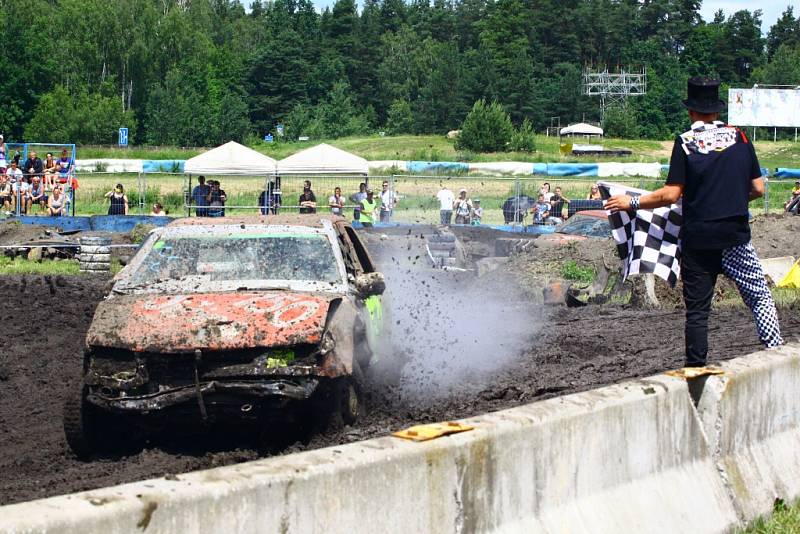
(432,431)
(695,372)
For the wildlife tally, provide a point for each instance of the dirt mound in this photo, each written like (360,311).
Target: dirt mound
(572,350)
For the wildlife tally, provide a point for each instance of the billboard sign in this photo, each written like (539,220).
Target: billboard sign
(764,107)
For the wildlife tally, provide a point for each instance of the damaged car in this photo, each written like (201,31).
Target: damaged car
(254,323)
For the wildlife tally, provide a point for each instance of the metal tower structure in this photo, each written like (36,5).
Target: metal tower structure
(614,87)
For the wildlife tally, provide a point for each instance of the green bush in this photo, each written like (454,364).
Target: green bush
(524,139)
(620,123)
(487,128)
(570,270)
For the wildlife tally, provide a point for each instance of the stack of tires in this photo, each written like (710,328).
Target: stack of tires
(442,248)
(95,254)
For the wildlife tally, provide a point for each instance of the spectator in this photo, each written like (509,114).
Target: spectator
(64,164)
(446,200)
(33,166)
(6,193)
(19,186)
(37,194)
(594,193)
(793,203)
(3,163)
(368,206)
(540,210)
(557,202)
(56,206)
(477,212)
(158,210)
(16,157)
(336,202)
(200,197)
(308,201)
(216,199)
(357,197)
(463,208)
(307,185)
(50,171)
(388,202)
(270,199)
(119,201)
(545,190)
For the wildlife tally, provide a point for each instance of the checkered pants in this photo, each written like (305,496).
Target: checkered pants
(699,270)
(741,265)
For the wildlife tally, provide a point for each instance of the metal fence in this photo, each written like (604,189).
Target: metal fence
(416,194)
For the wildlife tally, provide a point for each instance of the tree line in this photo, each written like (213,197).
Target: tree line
(202,72)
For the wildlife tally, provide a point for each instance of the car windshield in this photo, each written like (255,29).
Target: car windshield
(586,226)
(267,257)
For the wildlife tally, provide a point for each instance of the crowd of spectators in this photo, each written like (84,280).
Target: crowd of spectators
(36,185)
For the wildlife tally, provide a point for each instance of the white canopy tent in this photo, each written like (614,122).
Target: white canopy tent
(231,159)
(581,128)
(323,159)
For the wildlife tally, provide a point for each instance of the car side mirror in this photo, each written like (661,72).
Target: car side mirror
(370,284)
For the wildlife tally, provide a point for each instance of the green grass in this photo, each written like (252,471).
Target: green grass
(23,266)
(785,520)
(438,147)
(570,270)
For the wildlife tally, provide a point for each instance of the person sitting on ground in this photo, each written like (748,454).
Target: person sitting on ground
(64,165)
(793,204)
(216,199)
(56,206)
(477,212)
(6,193)
(462,208)
(158,210)
(557,202)
(307,201)
(356,198)
(50,171)
(594,193)
(368,206)
(119,201)
(336,202)
(199,197)
(541,210)
(37,195)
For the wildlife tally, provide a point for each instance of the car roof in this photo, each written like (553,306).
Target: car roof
(598,214)
(289,219)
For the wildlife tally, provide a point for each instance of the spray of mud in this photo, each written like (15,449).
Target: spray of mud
(453,330)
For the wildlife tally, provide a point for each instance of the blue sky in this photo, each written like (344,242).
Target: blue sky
(772,8)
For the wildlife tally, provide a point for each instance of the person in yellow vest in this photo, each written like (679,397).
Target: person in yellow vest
(368,206)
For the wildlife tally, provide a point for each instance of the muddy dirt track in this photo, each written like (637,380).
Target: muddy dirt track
(45,319)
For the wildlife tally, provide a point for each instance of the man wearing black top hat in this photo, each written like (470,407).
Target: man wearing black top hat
(715,169)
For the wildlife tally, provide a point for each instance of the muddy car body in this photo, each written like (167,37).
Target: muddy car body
(229,322)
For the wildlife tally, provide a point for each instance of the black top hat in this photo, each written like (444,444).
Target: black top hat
(703,95)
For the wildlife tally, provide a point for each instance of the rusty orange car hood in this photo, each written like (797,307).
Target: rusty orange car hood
(210,321)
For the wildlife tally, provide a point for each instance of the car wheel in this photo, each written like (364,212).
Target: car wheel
(82,426)
(89,431)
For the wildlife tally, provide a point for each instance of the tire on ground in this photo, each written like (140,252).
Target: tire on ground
(94,258)
(92,249)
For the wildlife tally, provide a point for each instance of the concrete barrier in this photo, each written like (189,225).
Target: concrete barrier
(752,419)
(626,458)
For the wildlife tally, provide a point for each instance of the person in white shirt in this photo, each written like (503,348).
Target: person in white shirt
(446,200)
(388,202)
(19,186)
(545,190)
(336,202)
(463,208)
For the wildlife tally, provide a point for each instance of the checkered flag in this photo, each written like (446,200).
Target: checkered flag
(648,242)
